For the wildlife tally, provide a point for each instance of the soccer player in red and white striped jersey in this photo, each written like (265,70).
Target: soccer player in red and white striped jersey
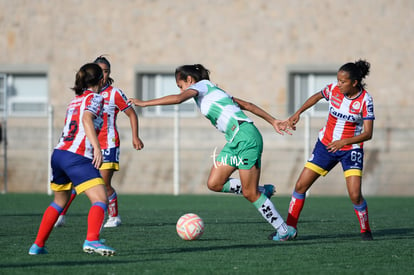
(115,101)
(350,123)
(75,162)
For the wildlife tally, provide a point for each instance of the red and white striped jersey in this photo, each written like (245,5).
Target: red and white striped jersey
(73,137)
(115,101)
(346,116)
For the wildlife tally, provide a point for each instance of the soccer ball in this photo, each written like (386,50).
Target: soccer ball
(190,227)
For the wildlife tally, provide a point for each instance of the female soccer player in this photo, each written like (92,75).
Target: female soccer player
(75,162)
(350,123)
(244,146)
(115,101)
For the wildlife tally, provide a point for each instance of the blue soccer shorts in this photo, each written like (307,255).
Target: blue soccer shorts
(322,161)
(110,159)
(70,169)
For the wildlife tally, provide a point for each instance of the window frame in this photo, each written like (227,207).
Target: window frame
(157,111)
(311,71)
(26,70)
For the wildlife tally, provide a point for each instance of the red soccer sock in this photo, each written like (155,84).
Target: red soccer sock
(95,219)
(46,225)
(362,213)
(113,205)
(295,207)
(72,197)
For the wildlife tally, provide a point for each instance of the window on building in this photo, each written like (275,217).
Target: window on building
(26,92)
(154,82)
(304,82)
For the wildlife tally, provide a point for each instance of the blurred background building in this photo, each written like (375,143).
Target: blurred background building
(274,53)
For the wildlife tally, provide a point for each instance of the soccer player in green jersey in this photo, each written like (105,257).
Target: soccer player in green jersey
(244,147)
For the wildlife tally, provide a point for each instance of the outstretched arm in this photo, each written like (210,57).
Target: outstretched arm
(165,100)
(279,125)
(308,103)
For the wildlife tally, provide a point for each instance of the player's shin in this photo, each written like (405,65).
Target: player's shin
(113,205)
(49,218)
(269,212)
(95,220)
(295,207)
(361,211)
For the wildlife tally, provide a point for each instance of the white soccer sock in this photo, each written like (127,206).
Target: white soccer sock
(232,186)
(269,212)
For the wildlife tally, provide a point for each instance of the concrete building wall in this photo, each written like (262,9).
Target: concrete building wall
(248,46)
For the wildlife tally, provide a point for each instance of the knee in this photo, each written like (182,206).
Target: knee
(356,198)
(109,190)
(214,185)
(251,195)
(302,186)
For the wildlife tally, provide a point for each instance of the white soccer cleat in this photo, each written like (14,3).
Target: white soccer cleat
(60,221)
(113,222)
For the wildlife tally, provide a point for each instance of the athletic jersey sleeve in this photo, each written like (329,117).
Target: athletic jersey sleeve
(326,92)
(94,104)
(368,108)
(120,100)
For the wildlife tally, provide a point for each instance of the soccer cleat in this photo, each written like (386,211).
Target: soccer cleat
(37,250)
(290,235)
(366,236)
(270,237)
(60,221)
(113,221)
(98,247)
(269,190)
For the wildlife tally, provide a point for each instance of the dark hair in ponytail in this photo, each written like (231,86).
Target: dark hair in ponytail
(103,60)
(88,76)
(357,71)
(196,71)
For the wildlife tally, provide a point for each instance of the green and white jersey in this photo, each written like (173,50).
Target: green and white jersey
(218,107)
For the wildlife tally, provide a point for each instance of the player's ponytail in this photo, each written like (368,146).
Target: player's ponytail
(364,67)
(196,71)
(88,76)
(357,71)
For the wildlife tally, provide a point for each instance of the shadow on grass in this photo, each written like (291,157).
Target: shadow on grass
(47,262)
(151,224)
(394,233)
(383,234)
(39,214)
(215,248)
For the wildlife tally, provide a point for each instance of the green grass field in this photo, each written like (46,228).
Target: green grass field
(234,241)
